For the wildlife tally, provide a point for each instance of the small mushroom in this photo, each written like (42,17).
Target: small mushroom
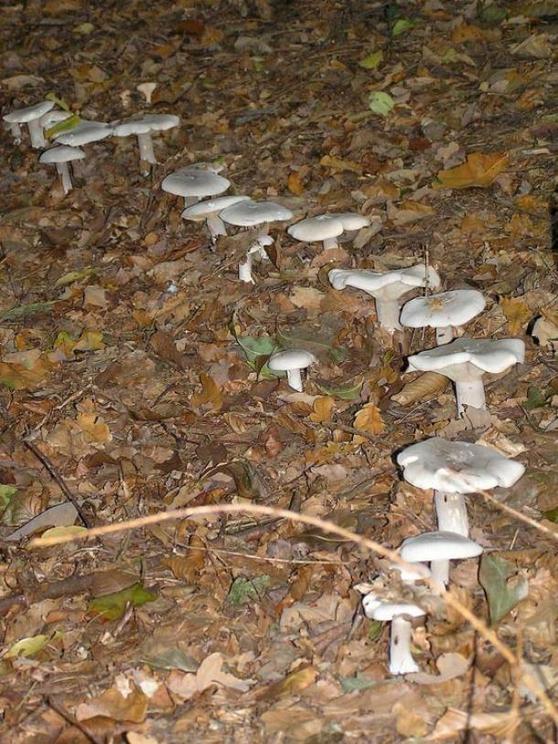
(438,549)
(30,116)
(60,156)
(327,227)
(194,183)
(465,361)
(400,659)
(143,128)
(444,311)
(208,210)
(453,469)
(84,133)
(256,250)
(292,361)
(386,288)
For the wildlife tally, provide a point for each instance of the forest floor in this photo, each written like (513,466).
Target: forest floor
(134,379)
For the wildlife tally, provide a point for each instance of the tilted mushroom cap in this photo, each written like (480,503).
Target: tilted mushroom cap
(195,182)
(251,213)
(452,308)
(283,361)
(30,113)
(374,282)
(378,609)
(61,154)
(147,123)
(321,227)
(84,133)
(203,209)
(438,546)
(351,220)
(457,467)
(485,354)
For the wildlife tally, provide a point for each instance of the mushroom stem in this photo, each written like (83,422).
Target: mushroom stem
(146,148)
(294,378)
(330,244)
(36,134)
(64,173)
(400,659)
(387,312)
(189,200)
(15,131)
(440,571)
(444,335)
(245,269)
(216,226)
(451,512)
(469,393)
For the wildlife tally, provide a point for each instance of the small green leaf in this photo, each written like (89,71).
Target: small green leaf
(551,515)
(60,102)
(372,61)
(74,276)
(24,311)
(343,392)
(491,15)
(535,398)
(247,590)
(6,493)
(62,126)
(350,684)
(503,588)
(401,25)
(380,102)
(375,629)
(113,606)
(27,647)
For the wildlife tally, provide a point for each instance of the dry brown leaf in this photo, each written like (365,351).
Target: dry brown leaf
(291,685)
(294,183)
(323,408)
(94,426)
(479,170)
(369,419)
(454,721)
(424,387)
(517,313)
(113,704)
(408,211)
(336,164)
(210,394)
(187,567)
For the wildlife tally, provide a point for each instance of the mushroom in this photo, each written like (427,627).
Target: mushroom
(386,287)
(444,311)
(465,360)
(208,210)
(400,659)
(327,227)
(193,183)
(257,249)
(292,361)
(60,156)
(438,548)
(142,128)
(453,469)
(84,133)
(30,116)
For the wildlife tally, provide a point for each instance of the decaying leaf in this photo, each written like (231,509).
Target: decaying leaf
(424,387)
(323,408)
(479,170)
(113,704)
(369,419)
(210,395)
(517,313)
(504,589)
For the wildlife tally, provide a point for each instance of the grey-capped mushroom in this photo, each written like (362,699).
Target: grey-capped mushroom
(194,183)
(31,116)
(84,133)
(208,211)
(292,361)
(61,156)
(438,549)
(326,228)
(143,128)
(256,250)
(444,311)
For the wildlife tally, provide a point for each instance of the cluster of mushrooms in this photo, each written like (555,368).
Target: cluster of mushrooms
(452,469)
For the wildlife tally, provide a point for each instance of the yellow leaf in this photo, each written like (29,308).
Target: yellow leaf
(323,408)
(210,394)
(425,387)
(25,375)
(368,419)
(479,170)
(71,530)
(517,313)
(94,427)
(27,647)
(90,341)
(294,184)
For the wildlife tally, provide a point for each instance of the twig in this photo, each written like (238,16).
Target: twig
(43,459)
(519,515)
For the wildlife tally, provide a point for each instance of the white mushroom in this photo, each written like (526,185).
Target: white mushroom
(465,361)
(292,361)
(400,659)
(208,211)
(438,548)
(83,133)
(327,227)
(61,156)
(386,287)
(453,469)
(444,311)
(30,116)
(256,250)
(193,183)
(143,128)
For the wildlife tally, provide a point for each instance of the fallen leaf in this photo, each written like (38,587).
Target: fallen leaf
(479,170)
(323,408)
(517,313)
(369,419)
(113,606)
(504,589)
(210,395)
(56,516)
(294,183)
(450,665)
(380,102)
(27,647)
(113,704)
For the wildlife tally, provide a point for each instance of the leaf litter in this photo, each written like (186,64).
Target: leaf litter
(136,364)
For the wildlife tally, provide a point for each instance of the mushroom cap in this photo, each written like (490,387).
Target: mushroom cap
(379,609)
(30,113)
(457,467)
(283,361)
(351,220)
(438,546)
(61,154)
(249,213)
(53,117)
(486,354)
(391,283)
(147,123)
(195,182)
(453,308)
(84,133)
(203,209)
(321,227)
